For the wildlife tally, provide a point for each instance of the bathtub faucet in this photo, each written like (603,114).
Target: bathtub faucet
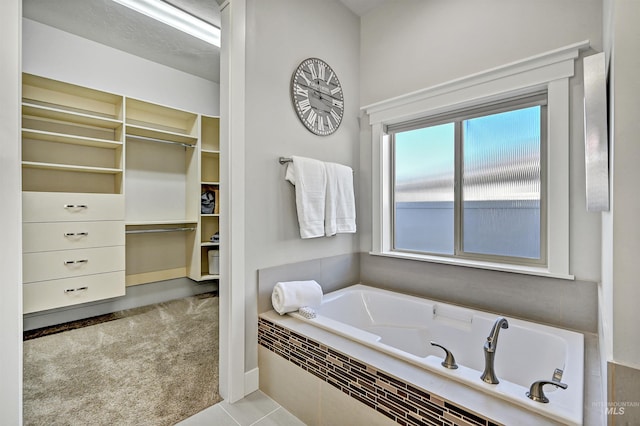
(490,346)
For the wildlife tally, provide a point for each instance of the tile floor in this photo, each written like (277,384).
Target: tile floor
(255,409)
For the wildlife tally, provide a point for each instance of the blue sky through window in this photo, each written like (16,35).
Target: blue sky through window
(498,148)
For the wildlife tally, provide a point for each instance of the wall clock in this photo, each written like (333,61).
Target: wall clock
(317,96)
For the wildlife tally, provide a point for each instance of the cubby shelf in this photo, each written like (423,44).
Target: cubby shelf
(209,180)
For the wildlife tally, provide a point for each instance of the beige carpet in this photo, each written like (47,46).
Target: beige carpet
(155,365)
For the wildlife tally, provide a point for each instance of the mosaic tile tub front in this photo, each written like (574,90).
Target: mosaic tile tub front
(400,401)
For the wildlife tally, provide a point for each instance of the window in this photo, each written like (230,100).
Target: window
(457,115)
(496,212)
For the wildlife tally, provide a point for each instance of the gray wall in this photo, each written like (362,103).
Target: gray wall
(280,35)
(566,304)
(412,44)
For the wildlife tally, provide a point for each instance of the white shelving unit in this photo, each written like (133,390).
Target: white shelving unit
(123,178)
(73,203)
(72,138)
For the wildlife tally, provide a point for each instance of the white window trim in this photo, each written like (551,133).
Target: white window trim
(549,71)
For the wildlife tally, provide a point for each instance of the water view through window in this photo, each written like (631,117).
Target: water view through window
(499,193)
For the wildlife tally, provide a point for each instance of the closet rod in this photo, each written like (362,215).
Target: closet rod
(148,231)
(145,138)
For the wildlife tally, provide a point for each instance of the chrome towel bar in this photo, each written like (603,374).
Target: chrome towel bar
(285,160)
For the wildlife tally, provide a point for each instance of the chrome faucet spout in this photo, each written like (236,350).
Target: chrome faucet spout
(492,339)
(490,346)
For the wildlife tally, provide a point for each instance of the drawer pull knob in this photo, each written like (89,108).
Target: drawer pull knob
(73,290)
(75,206)
(73,262)
(76,234)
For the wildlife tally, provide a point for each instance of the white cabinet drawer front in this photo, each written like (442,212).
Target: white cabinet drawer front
(37,236)
(52,265)
(63,206)
(72,291)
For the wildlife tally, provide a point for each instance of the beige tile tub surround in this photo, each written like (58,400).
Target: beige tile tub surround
(310,399)
(384,394)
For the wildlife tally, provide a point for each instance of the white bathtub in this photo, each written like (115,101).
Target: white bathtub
(403,326)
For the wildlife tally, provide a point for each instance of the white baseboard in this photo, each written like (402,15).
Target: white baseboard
(251,381)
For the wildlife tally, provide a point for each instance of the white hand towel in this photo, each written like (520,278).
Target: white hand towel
(340,206)
(289,296)
(309,178)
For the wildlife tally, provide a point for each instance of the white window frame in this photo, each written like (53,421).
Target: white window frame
(548,72)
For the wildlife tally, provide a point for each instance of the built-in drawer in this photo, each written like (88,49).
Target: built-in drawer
(73,207)
(48,236)
(51,265)
(72,291)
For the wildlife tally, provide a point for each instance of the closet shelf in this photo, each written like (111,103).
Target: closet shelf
(162,135)
(69,139)
(211,215)
(30,109)
(70,168)
(211,182)
(210,152)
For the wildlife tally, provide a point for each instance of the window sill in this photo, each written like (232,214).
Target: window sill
(517,269)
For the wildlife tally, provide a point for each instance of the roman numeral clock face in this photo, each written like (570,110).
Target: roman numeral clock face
(317,96)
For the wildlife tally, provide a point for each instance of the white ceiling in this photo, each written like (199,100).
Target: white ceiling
(109,23)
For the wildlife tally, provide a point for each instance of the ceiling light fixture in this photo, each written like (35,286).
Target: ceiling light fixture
(178,19)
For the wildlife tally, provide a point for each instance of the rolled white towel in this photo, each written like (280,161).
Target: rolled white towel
(290,296)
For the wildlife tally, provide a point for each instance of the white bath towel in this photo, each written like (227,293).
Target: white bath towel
(340,205)
(309,177)
(289,296)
